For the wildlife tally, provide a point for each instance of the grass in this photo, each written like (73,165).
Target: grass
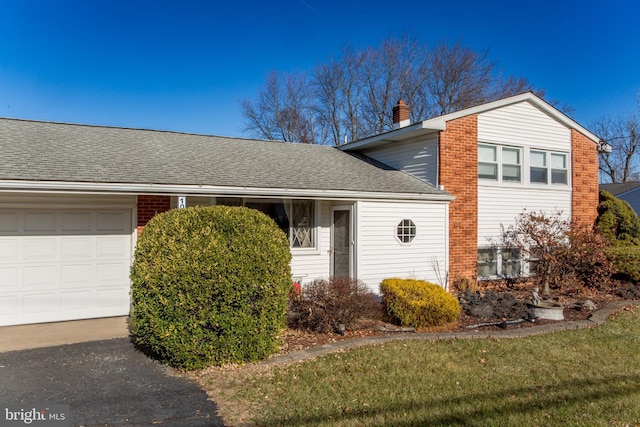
(589,377)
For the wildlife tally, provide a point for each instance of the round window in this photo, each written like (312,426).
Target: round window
(406,231)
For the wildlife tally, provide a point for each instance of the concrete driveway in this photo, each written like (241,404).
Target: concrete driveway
(106,383)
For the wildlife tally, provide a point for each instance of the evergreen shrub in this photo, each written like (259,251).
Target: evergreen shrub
(418,303)
(210,286)
(617,221)
(626,260)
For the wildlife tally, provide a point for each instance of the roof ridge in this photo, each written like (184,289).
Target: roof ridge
(50,122)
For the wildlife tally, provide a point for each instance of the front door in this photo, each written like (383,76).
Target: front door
(342,242)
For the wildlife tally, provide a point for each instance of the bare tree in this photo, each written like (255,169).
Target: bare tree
(623,135)
(351,97)
(283,109)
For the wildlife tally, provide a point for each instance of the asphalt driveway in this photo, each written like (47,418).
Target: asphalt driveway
(106,383)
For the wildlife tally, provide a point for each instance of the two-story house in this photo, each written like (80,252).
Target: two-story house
(496,159)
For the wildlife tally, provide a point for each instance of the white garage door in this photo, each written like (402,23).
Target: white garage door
(63,264)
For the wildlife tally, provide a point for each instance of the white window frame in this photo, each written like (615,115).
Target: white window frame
(499,163)
(406,230)
(550,169)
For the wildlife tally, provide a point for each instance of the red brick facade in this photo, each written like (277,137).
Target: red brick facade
(584,180)
(149,206)
(458,172)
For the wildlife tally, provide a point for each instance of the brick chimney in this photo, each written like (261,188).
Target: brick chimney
(401,115)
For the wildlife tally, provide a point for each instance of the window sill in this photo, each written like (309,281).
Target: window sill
(305,251)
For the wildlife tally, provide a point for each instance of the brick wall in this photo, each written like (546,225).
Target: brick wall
(458,172)
(584,180)
(149,206)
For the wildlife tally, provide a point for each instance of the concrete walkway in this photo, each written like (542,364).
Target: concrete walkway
(597,318)
(23,337)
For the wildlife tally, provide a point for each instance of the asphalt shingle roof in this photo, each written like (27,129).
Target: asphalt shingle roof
(620,187)
(44,151)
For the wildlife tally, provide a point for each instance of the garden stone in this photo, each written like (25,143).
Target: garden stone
(589,305)
(481,309)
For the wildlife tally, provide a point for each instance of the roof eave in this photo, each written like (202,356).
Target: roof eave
(404,133)
(204,190)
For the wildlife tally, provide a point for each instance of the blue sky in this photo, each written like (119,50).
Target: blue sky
(184,66)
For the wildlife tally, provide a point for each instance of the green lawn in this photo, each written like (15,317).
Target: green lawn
(588,377)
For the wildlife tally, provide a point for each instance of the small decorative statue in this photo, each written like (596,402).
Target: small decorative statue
(535,300)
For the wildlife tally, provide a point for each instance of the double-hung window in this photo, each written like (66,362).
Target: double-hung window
(548,167)
(538,167)
(488,162)
(511,169)
(498,163)
(559,171)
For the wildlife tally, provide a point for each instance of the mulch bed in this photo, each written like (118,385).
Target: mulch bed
(296,340)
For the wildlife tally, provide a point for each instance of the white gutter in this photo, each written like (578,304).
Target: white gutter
(208,190)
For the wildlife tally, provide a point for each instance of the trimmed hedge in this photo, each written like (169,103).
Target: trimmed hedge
(418,303)
(210,286)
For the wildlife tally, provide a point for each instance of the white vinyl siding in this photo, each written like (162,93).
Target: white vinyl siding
(310,265)
(380,254)
(417,158)
(523,125)
(502,205)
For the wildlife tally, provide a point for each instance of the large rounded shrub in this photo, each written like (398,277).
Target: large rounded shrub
(210,286)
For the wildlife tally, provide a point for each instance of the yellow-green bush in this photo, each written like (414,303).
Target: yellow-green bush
(418,303)
(210,286)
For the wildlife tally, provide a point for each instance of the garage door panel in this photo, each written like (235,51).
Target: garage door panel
(40,303)
(76,275)
(110,247)
(8,250)
(40,222)
(39,276)
(9,307)
(44,249)
(8,222)
(110,273)
(76,221)
(112,221)
(76,248)
(111,298)
(76,301)
(64,264)
(8,278)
